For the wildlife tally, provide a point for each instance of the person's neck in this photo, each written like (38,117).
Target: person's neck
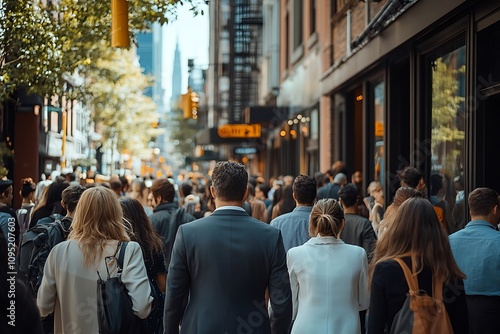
(27,201)
(352,209)
(297,204)
(219,203)
(489,219)
(2,204)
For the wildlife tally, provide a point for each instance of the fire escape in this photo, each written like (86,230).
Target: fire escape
(245,35)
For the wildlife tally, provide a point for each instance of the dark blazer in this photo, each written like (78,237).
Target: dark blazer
(225,262)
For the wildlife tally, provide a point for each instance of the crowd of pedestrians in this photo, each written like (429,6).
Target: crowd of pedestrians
(232,253)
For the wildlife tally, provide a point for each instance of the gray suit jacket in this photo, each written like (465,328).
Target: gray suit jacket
(225,262)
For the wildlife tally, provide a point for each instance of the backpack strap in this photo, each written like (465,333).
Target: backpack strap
(410,279)
(437,283)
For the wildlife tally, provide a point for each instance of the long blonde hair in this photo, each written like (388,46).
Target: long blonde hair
(97,220)
(416,232)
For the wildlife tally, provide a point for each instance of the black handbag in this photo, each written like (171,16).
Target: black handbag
(114,306)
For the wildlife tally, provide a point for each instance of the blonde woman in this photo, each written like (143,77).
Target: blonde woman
(70,275)
(328,278)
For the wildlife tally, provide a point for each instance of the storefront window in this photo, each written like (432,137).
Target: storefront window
(378,94)
(448,126)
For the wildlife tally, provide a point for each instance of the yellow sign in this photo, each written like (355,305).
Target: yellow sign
(239,131)
(379,129)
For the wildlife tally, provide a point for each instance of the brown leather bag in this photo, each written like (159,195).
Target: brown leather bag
(421,313)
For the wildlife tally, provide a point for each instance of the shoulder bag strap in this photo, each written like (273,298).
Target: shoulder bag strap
(410,279)
(121,256)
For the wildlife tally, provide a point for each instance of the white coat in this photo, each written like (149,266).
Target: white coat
(329,282)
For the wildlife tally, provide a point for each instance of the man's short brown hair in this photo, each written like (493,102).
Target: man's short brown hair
(164,189)
(482,201)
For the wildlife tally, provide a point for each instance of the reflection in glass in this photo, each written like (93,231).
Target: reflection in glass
(448,128)
(378,93)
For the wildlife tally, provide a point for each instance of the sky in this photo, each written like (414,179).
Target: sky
(193,36)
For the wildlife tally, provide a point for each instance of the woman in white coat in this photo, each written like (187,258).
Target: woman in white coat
(69,284)
(328,278)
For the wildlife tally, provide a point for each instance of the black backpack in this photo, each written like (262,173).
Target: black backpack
(34,249)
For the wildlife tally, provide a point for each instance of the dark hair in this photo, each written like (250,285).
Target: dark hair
(264,188)
(229,181)
(164,189)
(115,184)
(327,218)
(416,230)
(27,187)
(436,184)
(251,190)
(186,189)
(304,189)
(349,195)
(54,196)
(286,203)
(320,179)
(125,184)
(71,196)
(482,201)
(410,176)
(140,228)
(278,193)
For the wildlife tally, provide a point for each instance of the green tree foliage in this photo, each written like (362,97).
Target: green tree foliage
(446,101)
(183,130)
(120,109)
(41,44)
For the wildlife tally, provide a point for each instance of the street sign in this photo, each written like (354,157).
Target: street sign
(239,131)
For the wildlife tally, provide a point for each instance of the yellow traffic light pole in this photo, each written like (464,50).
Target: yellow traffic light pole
(63,146)
(119,24)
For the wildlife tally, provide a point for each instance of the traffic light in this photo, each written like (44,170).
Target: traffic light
(194,104)
(189,104)
(119,24)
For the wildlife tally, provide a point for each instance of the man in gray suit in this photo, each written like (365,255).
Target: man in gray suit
(225,262)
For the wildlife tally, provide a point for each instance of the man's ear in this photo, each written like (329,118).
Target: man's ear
(212,191)
(64,206)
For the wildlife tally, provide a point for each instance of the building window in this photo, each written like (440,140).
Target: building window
(287,41)
(297,23)
(378,94)
(447,68)
(333,8)
(312,20)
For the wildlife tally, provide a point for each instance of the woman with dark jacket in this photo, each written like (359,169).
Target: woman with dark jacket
(417,238)
(141,230)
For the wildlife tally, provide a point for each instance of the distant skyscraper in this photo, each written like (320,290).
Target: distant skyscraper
(150,52)
(176,76)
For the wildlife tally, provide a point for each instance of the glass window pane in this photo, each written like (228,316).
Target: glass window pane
(378,107)
(448,127)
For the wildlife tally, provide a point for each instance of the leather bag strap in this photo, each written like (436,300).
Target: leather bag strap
(410,279)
